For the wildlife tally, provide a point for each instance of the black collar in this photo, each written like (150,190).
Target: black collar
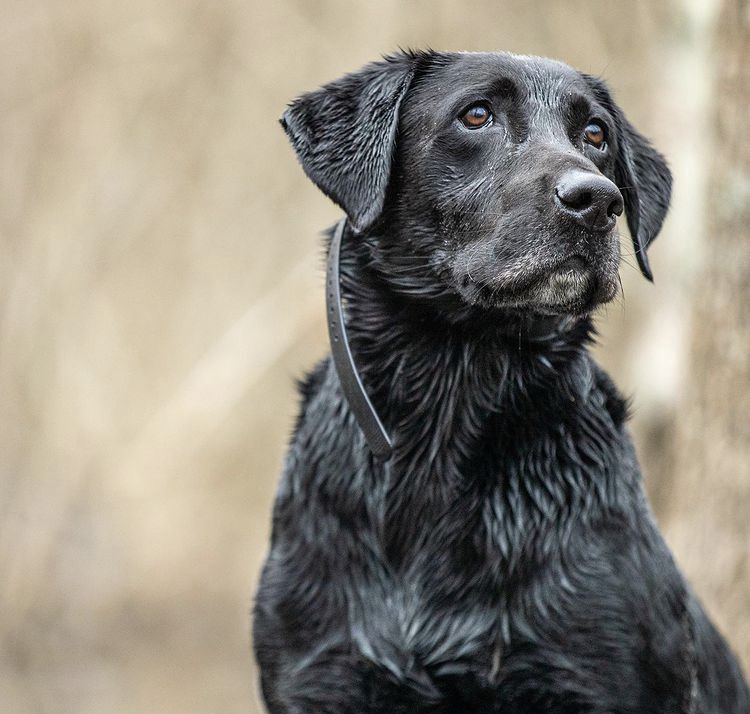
(534,330)
(351,384)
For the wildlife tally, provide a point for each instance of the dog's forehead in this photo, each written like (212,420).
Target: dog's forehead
(538,79)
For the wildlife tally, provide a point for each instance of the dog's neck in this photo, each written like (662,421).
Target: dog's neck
(435,379)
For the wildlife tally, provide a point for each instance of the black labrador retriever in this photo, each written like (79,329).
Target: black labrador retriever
(502,557)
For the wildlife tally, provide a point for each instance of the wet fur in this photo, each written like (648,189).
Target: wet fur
(504,559)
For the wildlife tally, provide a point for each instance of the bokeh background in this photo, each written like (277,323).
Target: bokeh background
(161,289)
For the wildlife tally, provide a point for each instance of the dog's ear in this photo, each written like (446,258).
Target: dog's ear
(344,134)
(642,175)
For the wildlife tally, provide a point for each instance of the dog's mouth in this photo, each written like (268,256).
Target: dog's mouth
(575,285)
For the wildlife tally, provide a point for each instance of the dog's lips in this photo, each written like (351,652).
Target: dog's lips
(572,282)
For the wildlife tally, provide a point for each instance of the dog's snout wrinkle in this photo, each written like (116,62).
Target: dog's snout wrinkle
(591,200)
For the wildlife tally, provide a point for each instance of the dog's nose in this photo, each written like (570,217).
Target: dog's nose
(591,200)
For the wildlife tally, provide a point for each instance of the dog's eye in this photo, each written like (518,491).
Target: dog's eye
(594,134)
(476,116)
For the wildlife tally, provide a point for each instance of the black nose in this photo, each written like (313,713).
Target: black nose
(591,200)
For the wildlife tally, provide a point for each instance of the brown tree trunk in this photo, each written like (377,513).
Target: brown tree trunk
(708,518)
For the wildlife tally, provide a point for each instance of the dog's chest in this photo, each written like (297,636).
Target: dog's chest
(447,608)
(476,640)
(415,635)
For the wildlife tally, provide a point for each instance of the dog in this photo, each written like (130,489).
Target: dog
(497,554)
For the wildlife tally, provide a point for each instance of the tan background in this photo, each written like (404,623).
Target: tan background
(161,288)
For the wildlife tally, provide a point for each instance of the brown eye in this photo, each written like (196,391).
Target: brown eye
(594,134)
(476,116)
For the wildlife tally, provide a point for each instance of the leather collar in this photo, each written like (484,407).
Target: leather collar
(351,384)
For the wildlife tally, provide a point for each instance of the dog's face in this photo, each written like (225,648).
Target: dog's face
(491,177)
(504,176)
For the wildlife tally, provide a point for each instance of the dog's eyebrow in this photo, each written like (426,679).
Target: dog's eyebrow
(579,109)
(579,105)
(501,87)
(504,87)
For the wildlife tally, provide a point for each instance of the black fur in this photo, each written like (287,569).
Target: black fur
(504,559)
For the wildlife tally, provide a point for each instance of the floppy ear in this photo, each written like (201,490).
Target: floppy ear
(643,177)
(344,134)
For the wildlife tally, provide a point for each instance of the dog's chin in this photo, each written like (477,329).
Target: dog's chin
(574,287)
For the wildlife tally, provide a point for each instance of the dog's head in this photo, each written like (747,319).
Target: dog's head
(492,177)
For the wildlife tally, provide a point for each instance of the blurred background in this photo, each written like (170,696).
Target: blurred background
(161,288)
